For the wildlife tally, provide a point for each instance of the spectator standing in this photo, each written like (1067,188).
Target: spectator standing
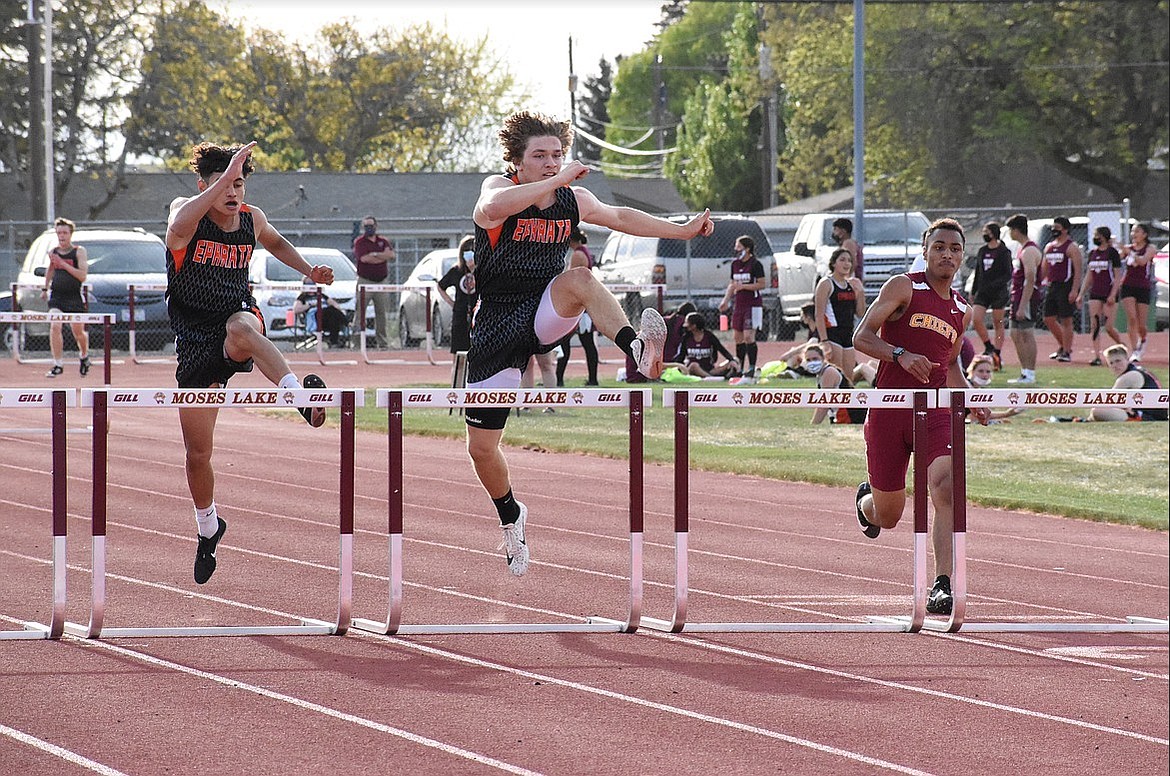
(371,253)
(839,300)
(1102,283)
(579,256)
(747,304)
(67,270)
(1063,263)
(843,234)
(461,277)
(1025,298)
(1136,286)
(991,290)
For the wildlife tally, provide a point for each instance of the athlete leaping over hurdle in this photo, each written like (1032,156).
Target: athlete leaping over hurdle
(218,328)
(915,331)
(528,302)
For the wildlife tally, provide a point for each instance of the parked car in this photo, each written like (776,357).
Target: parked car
(276,285)
(1162,284)
(698,271)
(890,241)
(117,258)
(412,305)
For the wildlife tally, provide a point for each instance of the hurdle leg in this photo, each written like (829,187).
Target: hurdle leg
(345,521)
(681,516)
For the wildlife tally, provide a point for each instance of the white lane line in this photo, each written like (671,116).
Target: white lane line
(310,706)
(57,751)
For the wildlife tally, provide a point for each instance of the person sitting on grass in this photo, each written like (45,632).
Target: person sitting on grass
(1130,376)
(699,348)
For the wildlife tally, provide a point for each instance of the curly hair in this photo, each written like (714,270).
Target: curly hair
(209,158)
(948,224)
(521,127)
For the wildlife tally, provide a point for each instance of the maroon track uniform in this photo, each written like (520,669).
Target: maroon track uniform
(703,351)
(514,263)
(1058,273)
(1138,280)
(1034,304)
(207,283)
(1102,267)
(745,270)
(929,326)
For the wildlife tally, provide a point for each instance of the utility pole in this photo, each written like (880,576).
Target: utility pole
(36,126)
(573,97)
(659,102)
(858,120)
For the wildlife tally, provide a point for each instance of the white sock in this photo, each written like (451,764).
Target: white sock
(56,362)
(207,520)
(290,381)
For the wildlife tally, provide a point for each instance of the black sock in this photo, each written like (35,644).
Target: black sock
(988,348)
(740,353)
(753,350)
(624,338)
(507,508)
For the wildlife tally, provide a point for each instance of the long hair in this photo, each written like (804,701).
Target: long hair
(521,127)
(466,244)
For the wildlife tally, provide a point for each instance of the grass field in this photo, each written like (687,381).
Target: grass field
(1115,472)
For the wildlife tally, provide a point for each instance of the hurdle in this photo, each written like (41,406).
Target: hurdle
(360,320)
(56,401)
(395,400)
(319,344)
(959,400)
(638,288)
(101,400)
(105,319)
(682,399)
(132,289)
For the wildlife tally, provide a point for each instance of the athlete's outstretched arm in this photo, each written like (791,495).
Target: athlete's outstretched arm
(637,222)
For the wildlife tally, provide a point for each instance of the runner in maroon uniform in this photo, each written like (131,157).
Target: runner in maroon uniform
(528,301)
(1025,298)
(1101,284)
(1062,272)
(1136,287)
(218,329)
(915,330)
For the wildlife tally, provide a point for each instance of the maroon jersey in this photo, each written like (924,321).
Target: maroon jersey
(1102,268)
(747,270)
(1057,265)
(1137,276)
(929,326)
(1018,277)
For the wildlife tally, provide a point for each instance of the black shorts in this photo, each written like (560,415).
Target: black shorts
(1056,302)
(1139,295)
(841,335)
(1034,308)
(995,298)
(199,342)
(67,304)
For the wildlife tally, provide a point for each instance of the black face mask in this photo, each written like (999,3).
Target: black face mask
(1097,241)
(987,238)
(1056,233)
(370,230)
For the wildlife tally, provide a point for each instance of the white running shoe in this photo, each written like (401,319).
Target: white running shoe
(1022,380)
(515,547)
(648,346)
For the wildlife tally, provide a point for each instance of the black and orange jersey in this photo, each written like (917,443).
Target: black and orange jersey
(522,256)
(209,276)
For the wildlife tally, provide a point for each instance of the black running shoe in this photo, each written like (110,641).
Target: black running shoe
(205,554)
(56,370)
(314,416)
(84,366)
(940,599)
(867,528)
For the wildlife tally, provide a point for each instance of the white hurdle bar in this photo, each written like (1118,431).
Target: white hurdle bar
(131,290)
(394,400)
(959,400)
(360,319)
(56,401)
(101,400)
(683,399)
(105,319)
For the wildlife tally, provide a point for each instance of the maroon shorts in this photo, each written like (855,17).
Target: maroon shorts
(889,441)
(745,318)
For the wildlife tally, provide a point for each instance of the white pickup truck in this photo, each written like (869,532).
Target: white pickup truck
(890,241)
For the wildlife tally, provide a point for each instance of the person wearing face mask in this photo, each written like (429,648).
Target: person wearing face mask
(843,235)
(1027,272)
(991,290)
(1063,262)
(1136,286)
(743,296)
(831,377)
(1102,283)
(980,372)
(371,252)
(461,277)
(699,349)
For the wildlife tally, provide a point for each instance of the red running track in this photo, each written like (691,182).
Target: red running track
(555,703)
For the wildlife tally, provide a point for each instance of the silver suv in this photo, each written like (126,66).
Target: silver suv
(699,270)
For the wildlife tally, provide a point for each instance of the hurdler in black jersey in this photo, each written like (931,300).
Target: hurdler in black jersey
(515,262)
(207,283)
